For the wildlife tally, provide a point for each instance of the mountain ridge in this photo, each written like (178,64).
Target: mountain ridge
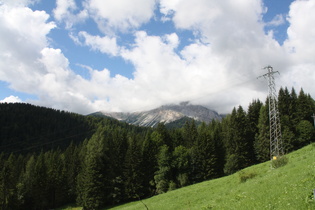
(165,114)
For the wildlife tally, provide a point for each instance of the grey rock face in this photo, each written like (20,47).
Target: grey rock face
(166,114)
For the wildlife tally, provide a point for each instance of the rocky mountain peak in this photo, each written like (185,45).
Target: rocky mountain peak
(166,114)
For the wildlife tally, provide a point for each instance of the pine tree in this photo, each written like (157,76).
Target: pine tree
(92,181)
(150,150)
(163,176)
(262,139)
(9,175)
(252,119)
(305,133)
(181,164)
(305,106)
(236,142)
(26,184)
(189,133)
(205,154)
(56,178)
(133,174)
(40,183)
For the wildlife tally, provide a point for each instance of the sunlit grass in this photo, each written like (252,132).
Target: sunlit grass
(288,187)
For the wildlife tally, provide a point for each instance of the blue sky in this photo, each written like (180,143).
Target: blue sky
(117,55)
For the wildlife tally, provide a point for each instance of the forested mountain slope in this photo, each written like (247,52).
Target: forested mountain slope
(121,163)
(165,114)
(256,187)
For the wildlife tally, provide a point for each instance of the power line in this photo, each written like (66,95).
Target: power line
(51,142)
(40,136)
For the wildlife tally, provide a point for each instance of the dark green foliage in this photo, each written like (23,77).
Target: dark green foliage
(305,133)
(305,106)
(163,176)
(189,133)
(246,175)
(26,128)
(133,170)
(181,164)
(150,150)
(279,162)
(121,162)
(92,180)
(205,154)
(237,142)
(252,116)
(262,138)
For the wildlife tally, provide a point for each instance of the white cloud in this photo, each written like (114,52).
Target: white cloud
(18,2)
(301,32)
(300,46)
(65,11)
(219,67)
(103,44)
(11,99)
(24,32)
(277,20)
(120,15)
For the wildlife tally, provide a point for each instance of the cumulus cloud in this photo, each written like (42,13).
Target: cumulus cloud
(18,2)
(103,44)
(11,99)
(120,15)
(66,11)
(300,46)
(218,67)
(277,20)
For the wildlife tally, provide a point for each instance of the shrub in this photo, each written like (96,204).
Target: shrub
(280,161)
(246,175)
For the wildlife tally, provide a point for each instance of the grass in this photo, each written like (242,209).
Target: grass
(257,187)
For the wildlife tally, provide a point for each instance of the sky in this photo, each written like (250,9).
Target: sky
(118,55)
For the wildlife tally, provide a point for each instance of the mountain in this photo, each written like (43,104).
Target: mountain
(166,114)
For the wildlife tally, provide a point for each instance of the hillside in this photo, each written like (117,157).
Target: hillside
(166,114)
(288,187)
(26,128)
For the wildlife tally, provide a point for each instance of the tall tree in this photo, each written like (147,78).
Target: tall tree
(181,165)
(92,180)
(133,173)
(262,139)
(9,175)
(163,175)
(236,142)
(252,119)
(150,150)
(305,106)
(190,133)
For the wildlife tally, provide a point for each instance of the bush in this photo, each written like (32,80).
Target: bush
(244,176)
(280,161)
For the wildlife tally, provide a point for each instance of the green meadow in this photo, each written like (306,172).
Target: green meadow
(257,187)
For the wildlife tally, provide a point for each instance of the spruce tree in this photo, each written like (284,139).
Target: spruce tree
(252,119)
(262,139)
(181,164)
(163,175)
(150,150)
(92,181)
(133,171)
(236,142)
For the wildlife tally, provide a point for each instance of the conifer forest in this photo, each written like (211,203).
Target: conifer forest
(49,158)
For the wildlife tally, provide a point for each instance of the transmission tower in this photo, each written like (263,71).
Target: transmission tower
(276,149)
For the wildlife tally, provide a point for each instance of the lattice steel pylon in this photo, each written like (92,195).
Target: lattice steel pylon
(276,148)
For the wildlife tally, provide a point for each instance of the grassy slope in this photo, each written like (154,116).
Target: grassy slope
(288,187)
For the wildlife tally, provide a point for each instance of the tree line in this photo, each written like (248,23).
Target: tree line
(121,163)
